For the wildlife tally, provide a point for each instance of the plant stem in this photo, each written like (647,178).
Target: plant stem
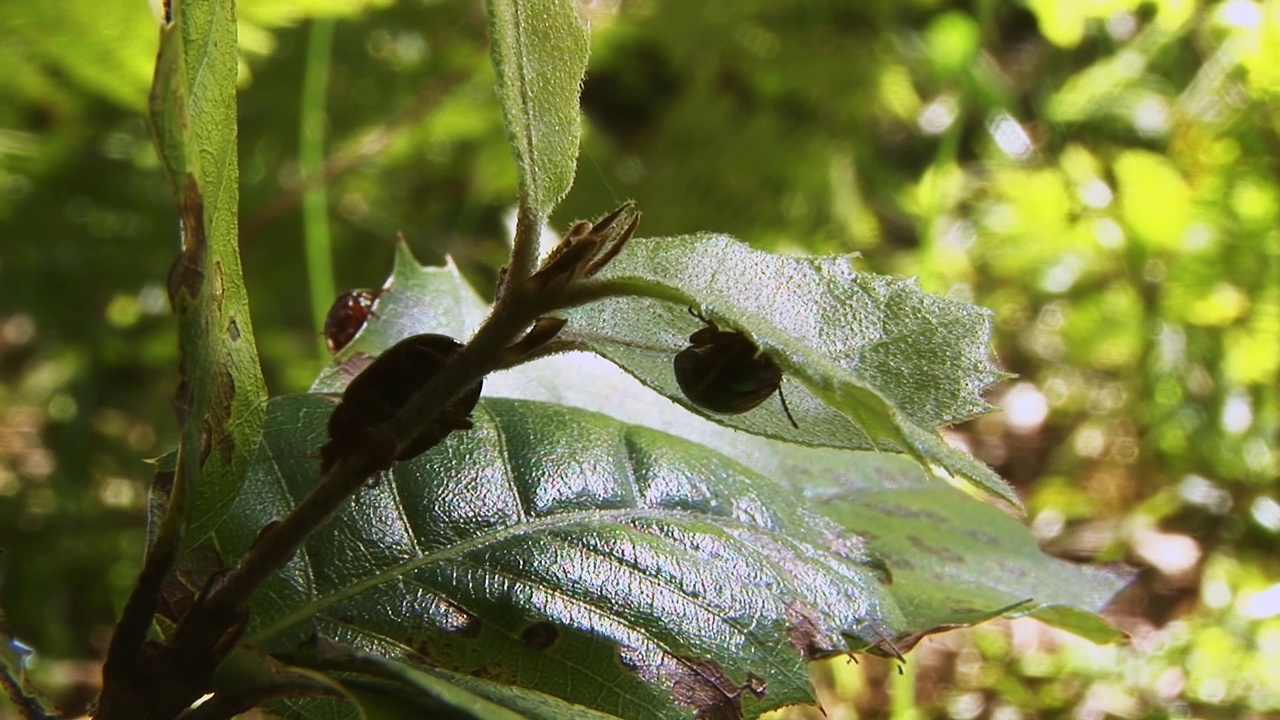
(127,641)
(315,205)
(185,667)
(524,251)
(278,544)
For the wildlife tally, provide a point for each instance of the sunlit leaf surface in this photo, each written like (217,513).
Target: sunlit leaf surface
(954,560)
(563,551)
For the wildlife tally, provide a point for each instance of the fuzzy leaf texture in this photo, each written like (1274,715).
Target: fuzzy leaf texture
(539,50)
(868,361)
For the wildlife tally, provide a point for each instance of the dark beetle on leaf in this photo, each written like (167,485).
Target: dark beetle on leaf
(723,371)
(378,393)
(346,316)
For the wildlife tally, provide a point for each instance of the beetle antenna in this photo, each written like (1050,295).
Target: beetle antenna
(786,409)
(699,316)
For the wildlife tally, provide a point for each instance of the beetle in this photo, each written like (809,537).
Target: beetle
(347,315)
(725,372)
(383,388)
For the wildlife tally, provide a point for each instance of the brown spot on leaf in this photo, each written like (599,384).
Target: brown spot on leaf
(903,564)
(222,394)
(909,513)
(854,549)
(699,685)
(186,275)
(806,634)
(704,687)
(183,283)
(540,636)
(982,537)
(942,553)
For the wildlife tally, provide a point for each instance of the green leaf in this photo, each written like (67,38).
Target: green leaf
(454,695)
(887,498)
(869,362)
(993,577)
(563,551)
(955,560)
(539,50)
(418,299)
(222,398)
(885,335)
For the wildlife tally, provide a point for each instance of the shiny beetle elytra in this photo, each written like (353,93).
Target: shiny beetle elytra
(723,371)
(346,316)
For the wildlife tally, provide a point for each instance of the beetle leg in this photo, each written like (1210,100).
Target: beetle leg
(786,409)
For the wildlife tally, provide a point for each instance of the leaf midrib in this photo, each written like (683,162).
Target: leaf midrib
(559,521)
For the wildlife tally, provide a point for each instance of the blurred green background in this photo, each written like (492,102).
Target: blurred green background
(1103,174)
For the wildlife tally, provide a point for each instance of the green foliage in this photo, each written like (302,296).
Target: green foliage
(880,363)
(1126,244)
(539,53)
(885,507)
(221,395)
(541,535)
(548,519)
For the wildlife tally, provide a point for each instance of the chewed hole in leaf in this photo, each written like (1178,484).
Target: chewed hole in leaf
(540,636)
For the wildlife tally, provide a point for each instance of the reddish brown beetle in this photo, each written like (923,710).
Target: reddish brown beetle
(346,316)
